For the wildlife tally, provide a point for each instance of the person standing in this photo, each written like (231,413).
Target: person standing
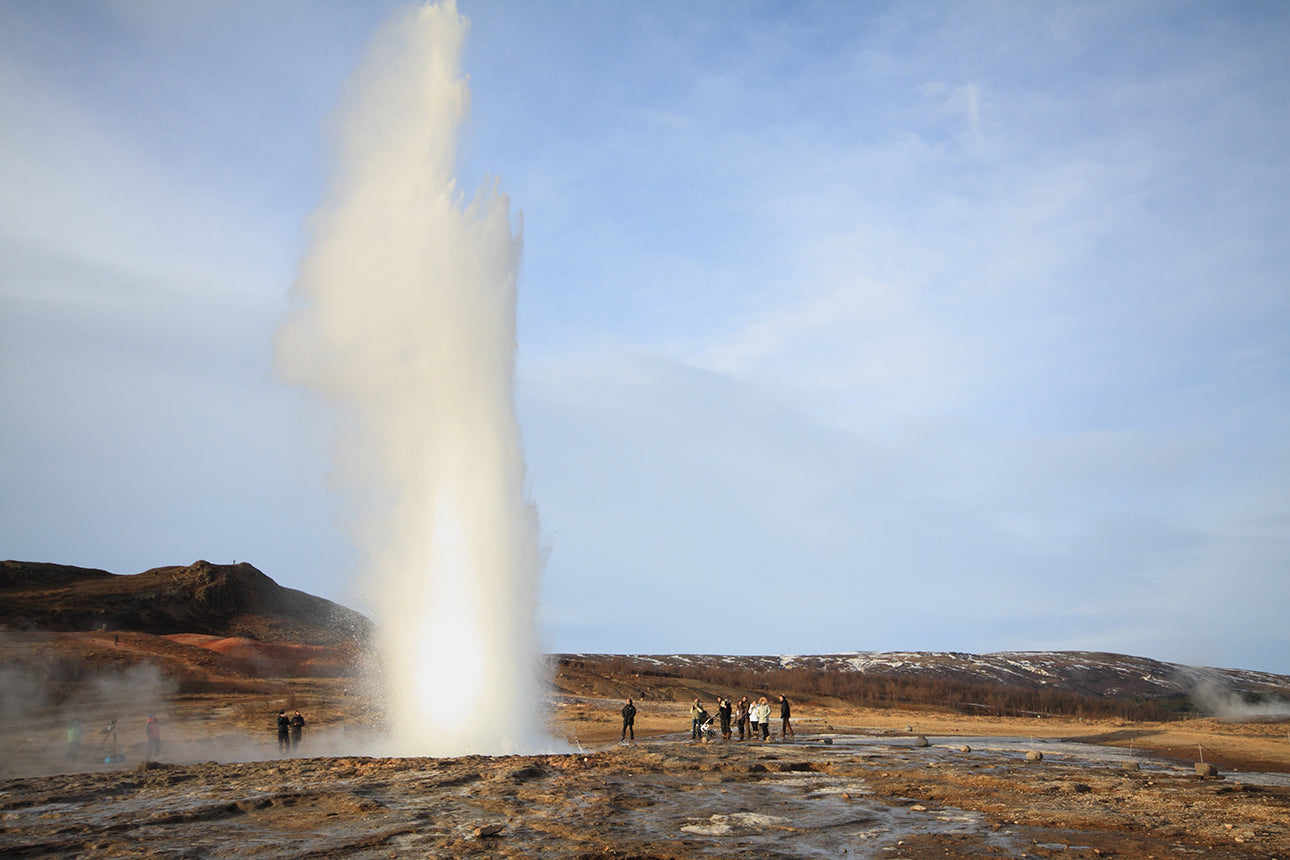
(784,712)
(152,731)
(741,716)
(284,732)
(723,708)
(763,712)
(75,733)
(754,719)
(629,720)
(297,729)
(697,716)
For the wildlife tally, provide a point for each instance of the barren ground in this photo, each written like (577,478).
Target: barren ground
(851,783)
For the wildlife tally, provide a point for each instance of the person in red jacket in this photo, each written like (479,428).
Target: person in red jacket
(152,730)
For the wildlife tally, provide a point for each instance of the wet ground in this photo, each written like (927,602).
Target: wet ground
(827,795)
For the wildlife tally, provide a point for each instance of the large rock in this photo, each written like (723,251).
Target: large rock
(1204,768)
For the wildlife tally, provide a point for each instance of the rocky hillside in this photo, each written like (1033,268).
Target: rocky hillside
(224,600)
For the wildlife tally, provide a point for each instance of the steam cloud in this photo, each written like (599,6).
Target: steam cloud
(1215,699)
(404,320)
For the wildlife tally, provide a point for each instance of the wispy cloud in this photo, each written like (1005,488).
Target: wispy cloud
(974,314)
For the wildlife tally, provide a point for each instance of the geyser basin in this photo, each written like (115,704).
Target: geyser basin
(403,319)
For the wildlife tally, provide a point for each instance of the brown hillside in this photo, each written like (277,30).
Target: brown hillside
(218,600)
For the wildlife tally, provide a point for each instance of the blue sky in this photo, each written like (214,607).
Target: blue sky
(842,326)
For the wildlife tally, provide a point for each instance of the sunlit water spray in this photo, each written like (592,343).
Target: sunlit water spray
(404,320)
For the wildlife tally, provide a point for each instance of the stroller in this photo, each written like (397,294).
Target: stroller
(109,736)
(707,731)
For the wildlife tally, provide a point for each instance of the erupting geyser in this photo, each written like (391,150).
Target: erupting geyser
(404,320)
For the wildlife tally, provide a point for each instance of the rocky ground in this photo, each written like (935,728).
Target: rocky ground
(851,783)
(665,798)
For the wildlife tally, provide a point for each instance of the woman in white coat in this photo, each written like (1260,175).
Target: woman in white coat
(763,716)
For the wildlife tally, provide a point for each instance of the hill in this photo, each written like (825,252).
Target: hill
(203,627)
(220,600)
(1078,683)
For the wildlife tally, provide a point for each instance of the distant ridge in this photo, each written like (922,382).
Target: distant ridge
(1093,675)
(202,598)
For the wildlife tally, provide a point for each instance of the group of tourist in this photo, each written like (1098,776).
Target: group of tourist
(747,716)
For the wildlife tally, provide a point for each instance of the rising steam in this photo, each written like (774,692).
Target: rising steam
(404,321)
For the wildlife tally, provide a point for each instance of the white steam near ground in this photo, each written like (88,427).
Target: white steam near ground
(40,700)
(404,322)
(1213,698)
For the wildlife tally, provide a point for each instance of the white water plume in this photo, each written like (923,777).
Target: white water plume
(404,320)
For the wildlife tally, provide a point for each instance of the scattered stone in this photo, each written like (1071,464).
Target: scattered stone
(489,829)
(1130,765)
(965,748)
(1034,755)
(921,741)
(828,741)
(1204,768)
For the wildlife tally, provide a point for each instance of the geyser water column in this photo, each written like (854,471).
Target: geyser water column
(403,318)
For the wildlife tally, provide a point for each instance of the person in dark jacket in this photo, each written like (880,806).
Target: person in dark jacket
(724,710)
(629,720)
(284,732)
(297,728)
(784,713)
